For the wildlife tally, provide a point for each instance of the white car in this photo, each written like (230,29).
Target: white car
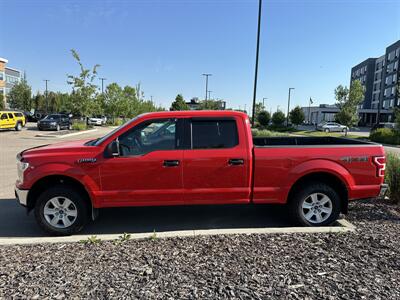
(97,120)
(332,127)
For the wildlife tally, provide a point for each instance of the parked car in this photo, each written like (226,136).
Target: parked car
(332,127)
(384,125)
(12,119)
(192,158)
(54,122)
(97,120)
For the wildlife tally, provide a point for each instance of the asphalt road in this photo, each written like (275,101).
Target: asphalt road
(14,221)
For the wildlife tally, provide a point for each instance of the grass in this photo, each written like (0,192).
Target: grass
(267,133)
(334,134)
(79,125)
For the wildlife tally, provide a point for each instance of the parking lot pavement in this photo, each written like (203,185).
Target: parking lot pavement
(14,222)
(12,142)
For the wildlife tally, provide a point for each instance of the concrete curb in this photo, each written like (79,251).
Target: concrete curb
(342,226)
(66,135)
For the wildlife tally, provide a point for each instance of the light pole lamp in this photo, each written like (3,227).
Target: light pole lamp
(264,102)
(288,107)
(47,98)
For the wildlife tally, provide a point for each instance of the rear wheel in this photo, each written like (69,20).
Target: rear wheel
(318,204)
(61,210)
(18,126)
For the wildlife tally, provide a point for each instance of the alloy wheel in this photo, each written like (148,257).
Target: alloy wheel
(317,208)
(60,212)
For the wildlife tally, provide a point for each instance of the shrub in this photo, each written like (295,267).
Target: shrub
(392,177)
(116,122)
(263,118)
(278,118)
(79,126)
(266,133)
(385,135)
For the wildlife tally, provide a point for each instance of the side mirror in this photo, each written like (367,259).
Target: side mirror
(112,149)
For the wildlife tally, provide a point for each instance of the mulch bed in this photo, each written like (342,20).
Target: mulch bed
(360,265)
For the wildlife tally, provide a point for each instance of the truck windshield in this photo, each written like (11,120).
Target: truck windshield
(102,139)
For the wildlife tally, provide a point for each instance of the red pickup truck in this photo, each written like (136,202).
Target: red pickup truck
(195,157)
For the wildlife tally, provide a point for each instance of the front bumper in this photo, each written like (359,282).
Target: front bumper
(22,196)
(383,191)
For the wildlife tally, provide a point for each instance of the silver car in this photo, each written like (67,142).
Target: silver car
(332,127)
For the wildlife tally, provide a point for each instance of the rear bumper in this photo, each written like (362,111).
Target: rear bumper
(383,191)
(367,191)
(22,196)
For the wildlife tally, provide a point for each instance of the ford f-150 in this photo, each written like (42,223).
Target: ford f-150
(192,158)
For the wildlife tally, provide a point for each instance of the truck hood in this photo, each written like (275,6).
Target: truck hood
(57,148)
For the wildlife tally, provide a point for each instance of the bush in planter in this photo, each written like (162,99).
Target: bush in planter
(392,177)
(386,136)
(79,126)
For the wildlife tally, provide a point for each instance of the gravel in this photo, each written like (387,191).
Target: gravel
(360,265)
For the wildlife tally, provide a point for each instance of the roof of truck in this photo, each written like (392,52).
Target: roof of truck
(199,113)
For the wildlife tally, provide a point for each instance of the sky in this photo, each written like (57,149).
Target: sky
(167,45)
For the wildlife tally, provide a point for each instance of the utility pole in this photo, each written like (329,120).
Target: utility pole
(209,93)
(309,111)
(288,107)
(256,67)
(102,84)
(207,74)
(47,98)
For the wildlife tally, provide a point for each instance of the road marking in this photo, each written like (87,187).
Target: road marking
(342,226)
(49,135)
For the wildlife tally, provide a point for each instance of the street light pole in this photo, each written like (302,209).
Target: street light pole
(288,107)
(256,67)
(207,74)
(47,98)
(102,84)
(209,93)
(264,103)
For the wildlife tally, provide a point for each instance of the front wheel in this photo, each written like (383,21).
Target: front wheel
(61,210)
(327,130)
(18,127)
(318,204)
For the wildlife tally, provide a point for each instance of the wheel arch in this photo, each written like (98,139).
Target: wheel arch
(327,178)
(51,180)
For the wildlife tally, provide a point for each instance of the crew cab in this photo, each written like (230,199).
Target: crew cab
(194,158)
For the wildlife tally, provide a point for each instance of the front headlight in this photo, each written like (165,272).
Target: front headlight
(21,167)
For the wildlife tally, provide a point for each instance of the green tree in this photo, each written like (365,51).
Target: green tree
(263,118)
(278,118)
(259,107)
(210,105)
(348,100)
(84,90)
(39,102)
(19,96)
(296,116)
(2,106)
(179,103)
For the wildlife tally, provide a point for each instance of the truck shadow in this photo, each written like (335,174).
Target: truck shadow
(14,222)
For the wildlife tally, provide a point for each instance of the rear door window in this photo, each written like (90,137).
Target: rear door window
(10,116)
(4,117)
(214,134)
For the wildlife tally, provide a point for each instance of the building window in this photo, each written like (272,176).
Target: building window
(391,55)
(390,68)
(393,90)
(396,64)
(397,52)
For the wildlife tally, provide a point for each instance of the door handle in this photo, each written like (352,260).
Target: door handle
(236,161)
(171,163)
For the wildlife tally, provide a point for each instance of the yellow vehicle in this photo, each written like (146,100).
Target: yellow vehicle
(12,119)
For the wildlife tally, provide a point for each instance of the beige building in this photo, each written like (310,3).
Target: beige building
(8,78)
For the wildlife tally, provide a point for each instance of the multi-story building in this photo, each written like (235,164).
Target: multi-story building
(379,77)
(8,78)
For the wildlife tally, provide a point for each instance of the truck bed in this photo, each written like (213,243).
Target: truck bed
(306,141)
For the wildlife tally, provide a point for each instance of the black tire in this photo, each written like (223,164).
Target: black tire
(300,195)
(18,126)
(62,191)
(327,130)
